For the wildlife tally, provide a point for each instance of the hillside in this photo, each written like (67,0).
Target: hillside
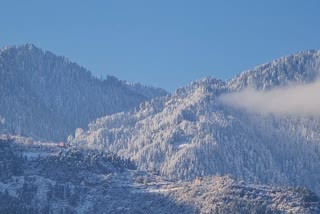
(190,133)
(46,96)
(53,179)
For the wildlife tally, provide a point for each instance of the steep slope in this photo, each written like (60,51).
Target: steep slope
(47,96)
(190,133)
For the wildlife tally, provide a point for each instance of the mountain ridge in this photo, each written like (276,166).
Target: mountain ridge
(183,152)
(190,133)
(39,87)
(310,59)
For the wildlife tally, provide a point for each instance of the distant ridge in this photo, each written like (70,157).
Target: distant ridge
(47,96)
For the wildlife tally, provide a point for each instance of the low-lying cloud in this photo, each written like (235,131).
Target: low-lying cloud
(291,100)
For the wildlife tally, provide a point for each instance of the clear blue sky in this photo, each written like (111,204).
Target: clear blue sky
(164,43)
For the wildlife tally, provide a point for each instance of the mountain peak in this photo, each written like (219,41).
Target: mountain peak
(27,46)
(302,67)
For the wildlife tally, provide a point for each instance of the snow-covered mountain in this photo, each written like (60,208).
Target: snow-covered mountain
(190,133)
(302,67)
(46,96)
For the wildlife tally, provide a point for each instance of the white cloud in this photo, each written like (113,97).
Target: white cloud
(291,100)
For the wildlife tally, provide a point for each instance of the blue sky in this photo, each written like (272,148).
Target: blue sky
(164,43)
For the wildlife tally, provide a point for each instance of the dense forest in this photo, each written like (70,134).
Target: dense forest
(46,96)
